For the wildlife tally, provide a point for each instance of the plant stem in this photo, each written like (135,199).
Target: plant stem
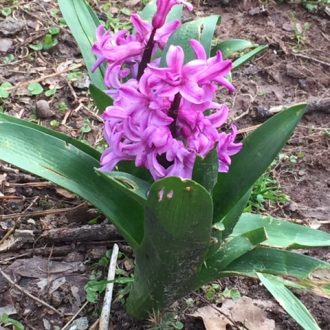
(147,54)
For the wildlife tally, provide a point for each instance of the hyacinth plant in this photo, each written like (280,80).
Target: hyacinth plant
(174,179)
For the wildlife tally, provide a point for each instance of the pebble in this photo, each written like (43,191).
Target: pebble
(43,110)
(10,26)
(5,44)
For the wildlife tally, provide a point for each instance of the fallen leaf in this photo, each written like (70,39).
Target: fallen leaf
(212,319)
(64,193)
(37,267)
(131,3)
(246,311)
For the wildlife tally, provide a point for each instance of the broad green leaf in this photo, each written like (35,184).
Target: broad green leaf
(5,90)
(201,29)
(128,166)
(259,150)
(130,185)
(230,219)
(279,262)
(289,301)
(229,251)
(281,233)
(248,56)
(35,88)
(178,218)
(101,99)
(231,46)
(64,164)
(83,24)
(150,9)
(7,321)
(67,139)
(206,170)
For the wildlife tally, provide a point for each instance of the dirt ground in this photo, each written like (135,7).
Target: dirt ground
(51,242)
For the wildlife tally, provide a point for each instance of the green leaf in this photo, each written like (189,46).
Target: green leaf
(74,75)
(289,301)
(282,263)
(5,89)
(50,92)
(259,150)
(101,99)
(230,219)
(229,251)
(206,170)
(68,140)
(231,46)
(201,29)
(247,57)
(83,24)
(35,89)
(37,47)
(54,30)
(49,42)
(132,186)
(6,11)
(70,167)
(178,218)
(6,320)
(281,233)
(86,126)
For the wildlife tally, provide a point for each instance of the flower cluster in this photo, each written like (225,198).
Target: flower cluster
(162,117)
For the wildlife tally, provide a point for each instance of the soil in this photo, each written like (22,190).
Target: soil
(294,69)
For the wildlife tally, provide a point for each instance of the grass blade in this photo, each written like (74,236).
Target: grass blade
(289,301)
(82,23)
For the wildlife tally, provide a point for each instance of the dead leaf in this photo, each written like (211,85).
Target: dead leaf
(132,3)
(212,319)
(64,193)
(37,267)
(245,311)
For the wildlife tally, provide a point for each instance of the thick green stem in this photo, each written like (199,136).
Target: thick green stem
(178,218)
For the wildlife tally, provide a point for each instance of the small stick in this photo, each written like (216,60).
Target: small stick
(248,129)
(11,197)
(8,233)
(312,59)
(37,213)
(32,184)
(22,84)
(7,278)
(105,314)
(74,316)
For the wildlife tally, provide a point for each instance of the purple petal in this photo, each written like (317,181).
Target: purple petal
(198,49)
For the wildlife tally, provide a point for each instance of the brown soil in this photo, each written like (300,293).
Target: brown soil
(290,71)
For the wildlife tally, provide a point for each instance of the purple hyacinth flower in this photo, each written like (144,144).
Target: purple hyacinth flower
(226,148)
(194,80)
(163,8)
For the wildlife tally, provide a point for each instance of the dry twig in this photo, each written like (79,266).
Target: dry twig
(105,314)
(8,279)
(74,316)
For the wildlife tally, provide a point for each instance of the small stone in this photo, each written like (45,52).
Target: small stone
(287,26)
(31,222)
(293,206)
(56,299)
(10,26)
(80,324)
(5,45)
(294,72)
(42,110)
(82,83)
